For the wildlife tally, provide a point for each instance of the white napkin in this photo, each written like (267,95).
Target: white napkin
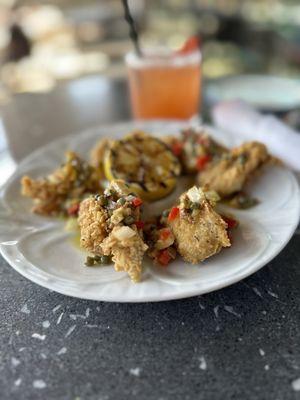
(246,124)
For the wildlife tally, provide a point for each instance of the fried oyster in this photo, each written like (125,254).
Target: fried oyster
(62,189)
(110,225)
(228,174)
(199,231)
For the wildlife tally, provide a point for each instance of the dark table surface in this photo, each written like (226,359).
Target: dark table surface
(241,342)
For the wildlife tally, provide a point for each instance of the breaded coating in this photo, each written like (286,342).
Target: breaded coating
(47,200)
(71,181)
(229,174)
(97,154)
(127,250)
(92,221)
(199,230)
(109,226)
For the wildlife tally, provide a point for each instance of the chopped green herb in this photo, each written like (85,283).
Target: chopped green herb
(121,201)
(105,260)
(129,220)
(195,206)
(242,159)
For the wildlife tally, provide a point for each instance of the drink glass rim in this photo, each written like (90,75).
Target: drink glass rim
(162,57)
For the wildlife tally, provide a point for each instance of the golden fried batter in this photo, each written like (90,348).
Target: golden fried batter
(92,221)
(108,226)
(127,250)
(71,181)
(199,230)
(230,173)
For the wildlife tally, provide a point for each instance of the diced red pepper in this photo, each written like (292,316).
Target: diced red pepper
(73,210)
(164,257)
(173,214)
(177,148)
(164,234)
(191,44)
(139,224)
(137,202)
(203,140)
(231,223)
(202,161)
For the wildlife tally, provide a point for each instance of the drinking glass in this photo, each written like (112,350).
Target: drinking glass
(164,84)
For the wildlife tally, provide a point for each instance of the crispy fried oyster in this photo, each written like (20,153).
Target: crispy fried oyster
(107,226)
(127,250)
(92,221)
(229,174)
(199,230)
(71,181)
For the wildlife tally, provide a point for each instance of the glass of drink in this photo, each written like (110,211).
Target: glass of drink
(164,84)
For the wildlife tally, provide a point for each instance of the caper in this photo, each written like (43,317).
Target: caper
(97,259)
(247,202)
(105,260)
(195,206)
(128,220)
(102,200)
(165,213)
(242,159)
(90,261)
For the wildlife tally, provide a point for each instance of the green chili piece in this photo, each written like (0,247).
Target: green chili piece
(129,220)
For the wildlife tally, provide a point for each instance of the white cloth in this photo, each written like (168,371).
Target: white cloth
(245,123)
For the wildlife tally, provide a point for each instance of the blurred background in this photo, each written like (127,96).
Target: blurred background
(44,43)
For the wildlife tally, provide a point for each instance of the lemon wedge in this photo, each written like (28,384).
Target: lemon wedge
(145,163)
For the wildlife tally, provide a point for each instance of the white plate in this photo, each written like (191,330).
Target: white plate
(40,249)
(264,92)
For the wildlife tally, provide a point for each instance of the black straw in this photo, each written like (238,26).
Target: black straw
(132,28)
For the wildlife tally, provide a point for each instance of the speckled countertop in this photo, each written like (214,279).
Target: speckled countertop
(241,342)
